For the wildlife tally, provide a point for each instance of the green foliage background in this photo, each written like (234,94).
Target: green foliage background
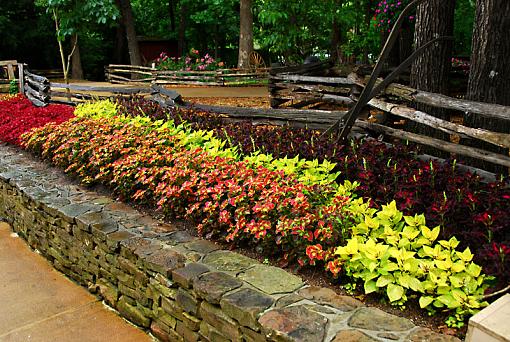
(285,31)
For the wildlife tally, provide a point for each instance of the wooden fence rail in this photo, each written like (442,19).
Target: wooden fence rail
(396,100)
(297,90)
(41,91)
(129,74)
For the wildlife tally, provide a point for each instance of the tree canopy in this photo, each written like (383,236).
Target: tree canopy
(283,31)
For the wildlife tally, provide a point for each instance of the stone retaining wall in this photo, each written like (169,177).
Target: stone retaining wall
(179,287)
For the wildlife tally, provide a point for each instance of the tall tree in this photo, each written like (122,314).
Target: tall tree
(129,25)
(72,17)
(434,18)
(245,34)
(489,76)
(76,67)
(429,72)
(181,42)
(336,33)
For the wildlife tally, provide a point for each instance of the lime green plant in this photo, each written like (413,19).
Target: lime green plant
(306,171)
(97,109)
(399,257)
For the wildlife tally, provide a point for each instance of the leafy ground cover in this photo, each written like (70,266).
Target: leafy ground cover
(461,202)
(156,163)
(18,115)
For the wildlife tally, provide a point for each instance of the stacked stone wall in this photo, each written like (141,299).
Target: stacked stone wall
(178,287)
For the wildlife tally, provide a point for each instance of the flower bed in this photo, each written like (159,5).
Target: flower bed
(18,115)
(175,169)
(193,61)
(464,205)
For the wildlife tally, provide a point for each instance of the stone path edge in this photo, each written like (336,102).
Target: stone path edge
(178,287)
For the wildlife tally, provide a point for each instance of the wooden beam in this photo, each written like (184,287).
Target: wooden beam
(299,115)
(40,87)
(130,71)
(312,87)
(488,110)
(115,90)
(134,67)
(499,139)
(37,78)
(21,78)
(477,153)
(166,92)
(314,79)
(8,62)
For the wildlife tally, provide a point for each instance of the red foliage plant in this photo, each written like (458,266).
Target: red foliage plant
(226,198)
(18,115)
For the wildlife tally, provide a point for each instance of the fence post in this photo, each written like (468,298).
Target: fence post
(21,78)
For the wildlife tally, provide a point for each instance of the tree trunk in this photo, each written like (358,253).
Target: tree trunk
(336,37)
(181,43)
(429,72)
(405,42)
(76,67)
(118,48)
(368,16)
(245,34)
(489,76)
(129,25)
(434,18)
(171,12)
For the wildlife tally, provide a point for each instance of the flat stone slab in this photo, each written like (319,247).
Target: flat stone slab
(185,276)
(322,295)
(213,285)
(245,305)
(164,261)
(378,320)
(228,261)
(271,280)
(423,334)
(294,323)
(352,335)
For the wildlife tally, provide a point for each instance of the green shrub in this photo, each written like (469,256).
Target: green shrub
(399,257)
(97,109)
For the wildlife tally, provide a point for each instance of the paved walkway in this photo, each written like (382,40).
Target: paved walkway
(39,304)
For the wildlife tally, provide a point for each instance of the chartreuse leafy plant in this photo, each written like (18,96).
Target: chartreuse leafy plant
(307,172)
(398,256)
(97,109)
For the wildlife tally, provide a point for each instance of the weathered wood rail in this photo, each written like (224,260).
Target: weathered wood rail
(41,92)
(10,68)
(132,74)
(296,88)
(396,100)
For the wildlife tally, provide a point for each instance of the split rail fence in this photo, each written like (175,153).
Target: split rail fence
(297,88)
(300,90)
(132,74)
(41,91)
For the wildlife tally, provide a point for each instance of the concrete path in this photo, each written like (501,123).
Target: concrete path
(39,304)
